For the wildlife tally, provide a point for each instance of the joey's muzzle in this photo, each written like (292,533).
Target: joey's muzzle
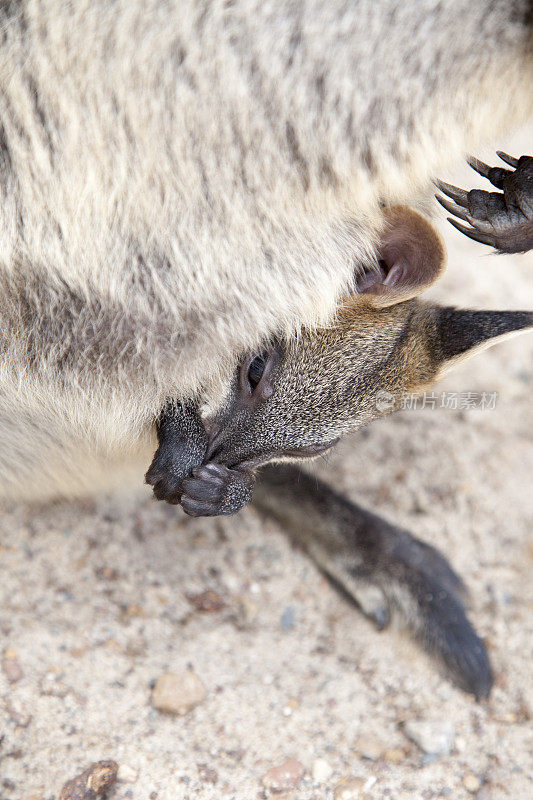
(232,447)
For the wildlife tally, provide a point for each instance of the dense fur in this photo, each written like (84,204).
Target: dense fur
(181,180)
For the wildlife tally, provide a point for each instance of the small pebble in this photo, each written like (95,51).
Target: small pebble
(12,669)
(245,613)
(91,783)
(349,788)
(136,646)
(17,713)
(471,783)
(178,692)
(127,774)
(53,686)
(321,770)
(207,774)
(288,618)
(394,756)
(368,747)
(285,776)
(207,601)
(434,737)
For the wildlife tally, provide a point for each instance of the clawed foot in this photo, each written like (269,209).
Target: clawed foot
(503,220)
(214,489)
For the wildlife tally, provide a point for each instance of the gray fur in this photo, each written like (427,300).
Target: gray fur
(181,180)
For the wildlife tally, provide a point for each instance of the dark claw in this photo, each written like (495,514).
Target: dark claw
(155,474)
(459,195)
(485,227)
(472,233)
(502,220)
(479,166)
(208,472)
(199,508)
(202,489)
(452,208)
(513,162)
(496,175)
(164,491)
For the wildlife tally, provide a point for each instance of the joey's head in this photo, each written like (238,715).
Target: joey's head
(296,399)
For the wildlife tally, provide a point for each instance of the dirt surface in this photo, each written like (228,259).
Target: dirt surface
(100,598)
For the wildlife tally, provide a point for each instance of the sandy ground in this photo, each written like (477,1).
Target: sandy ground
(94,609)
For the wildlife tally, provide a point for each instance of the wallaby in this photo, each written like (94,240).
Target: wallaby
(182,181)
(294,400)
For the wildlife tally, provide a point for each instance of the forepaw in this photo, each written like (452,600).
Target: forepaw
(503,220)
(182,447)
(214,489)
(166,476)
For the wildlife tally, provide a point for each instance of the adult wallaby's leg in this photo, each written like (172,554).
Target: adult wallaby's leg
(381,567)
(503,220)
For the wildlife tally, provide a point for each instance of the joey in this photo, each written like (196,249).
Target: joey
(294,400)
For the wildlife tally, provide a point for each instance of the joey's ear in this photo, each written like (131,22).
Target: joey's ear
(462,333)
(411,257)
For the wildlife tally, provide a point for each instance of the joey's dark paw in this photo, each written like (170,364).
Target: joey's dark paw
(182,446)
(166,475)
(503,220)
(214,489)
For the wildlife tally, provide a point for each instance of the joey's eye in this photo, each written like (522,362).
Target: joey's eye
(256,369)
(257,375)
